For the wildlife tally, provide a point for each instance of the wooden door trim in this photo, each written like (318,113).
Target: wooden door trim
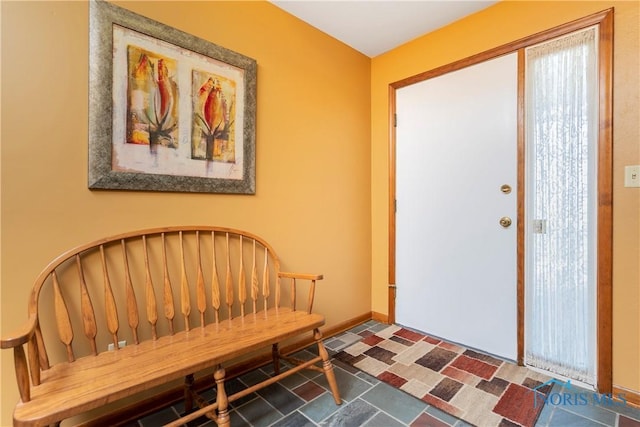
(521,204)
(605,178)
(391,297)
(605,208)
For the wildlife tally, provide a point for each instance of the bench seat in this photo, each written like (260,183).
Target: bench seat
(88,382)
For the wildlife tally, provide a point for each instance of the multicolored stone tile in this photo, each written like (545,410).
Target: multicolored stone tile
(309,391)
(628,422)
(396,406)
(478,388)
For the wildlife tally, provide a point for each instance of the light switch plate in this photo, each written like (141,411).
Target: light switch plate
(632,176)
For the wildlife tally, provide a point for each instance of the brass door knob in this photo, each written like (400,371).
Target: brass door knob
(506,189)
(505,221)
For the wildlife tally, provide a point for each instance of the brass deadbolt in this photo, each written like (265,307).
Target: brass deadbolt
(505,221)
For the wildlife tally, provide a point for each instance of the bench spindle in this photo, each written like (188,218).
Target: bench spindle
(132,306)
(255,286)
(201,296)
(88,315)
(109,301)
(265,280)
(278,293)
(293,293)
(242,285)
(34,360)
(185,300)
(169,310)
(40,348)
(63,321)
(311,295)
(215,282)
(150,294)
(229,282)
(20,362)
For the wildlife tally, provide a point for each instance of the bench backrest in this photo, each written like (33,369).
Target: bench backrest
(146,284)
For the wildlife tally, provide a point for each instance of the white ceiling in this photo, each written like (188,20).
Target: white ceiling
(377,26)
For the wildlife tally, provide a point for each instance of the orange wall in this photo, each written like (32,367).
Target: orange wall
(500,24)
(322,114)
(313,170)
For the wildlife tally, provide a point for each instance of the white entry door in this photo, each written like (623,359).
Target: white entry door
(456,146)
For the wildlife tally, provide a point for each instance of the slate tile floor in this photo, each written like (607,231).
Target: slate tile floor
(303,400)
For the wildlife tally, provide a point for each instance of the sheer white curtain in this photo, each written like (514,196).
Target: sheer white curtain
(561,139)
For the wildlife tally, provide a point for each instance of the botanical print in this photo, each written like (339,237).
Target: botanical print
(213,132)
(175,112)
(152,114)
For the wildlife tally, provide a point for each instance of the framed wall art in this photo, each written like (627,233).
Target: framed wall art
(167,111)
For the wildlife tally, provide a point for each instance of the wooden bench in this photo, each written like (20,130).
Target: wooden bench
(125,314)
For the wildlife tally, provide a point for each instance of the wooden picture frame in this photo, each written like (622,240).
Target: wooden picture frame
(167,111)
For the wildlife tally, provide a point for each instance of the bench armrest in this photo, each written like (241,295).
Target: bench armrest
(302,276)
(16,340)
(19,336)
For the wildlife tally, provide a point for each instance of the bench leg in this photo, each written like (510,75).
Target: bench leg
(188,393)
(327,367)
(223,414)
(275,354)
